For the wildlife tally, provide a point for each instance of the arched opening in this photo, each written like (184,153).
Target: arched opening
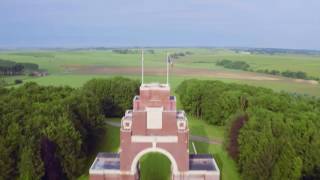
(136,167)
(155,166)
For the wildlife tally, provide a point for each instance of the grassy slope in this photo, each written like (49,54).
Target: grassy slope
(202,128)
(226,165)
(110,142)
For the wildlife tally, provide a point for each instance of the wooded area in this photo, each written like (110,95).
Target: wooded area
(271,135)
(132,51)
(233,64)
(11,68)
(241,65)
(49,132)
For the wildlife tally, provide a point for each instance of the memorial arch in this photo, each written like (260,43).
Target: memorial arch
(153,150)
(154,125)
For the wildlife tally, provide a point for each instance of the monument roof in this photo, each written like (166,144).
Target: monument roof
(200,162)
(155,86)
(106,161)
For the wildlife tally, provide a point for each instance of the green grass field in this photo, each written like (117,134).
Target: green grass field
(110,142)
(226,165)
(74,68)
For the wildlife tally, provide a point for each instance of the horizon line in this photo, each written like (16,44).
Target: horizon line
(157,47)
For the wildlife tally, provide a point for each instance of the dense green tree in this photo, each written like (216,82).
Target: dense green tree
(6,162)
(279,138)
(233,64)
(114,95)
(288,165)
(29,169)
(47,132)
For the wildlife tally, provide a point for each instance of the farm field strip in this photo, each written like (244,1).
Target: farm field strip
(74,80)
(76,67)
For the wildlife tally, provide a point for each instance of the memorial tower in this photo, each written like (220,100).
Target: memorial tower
(154,125)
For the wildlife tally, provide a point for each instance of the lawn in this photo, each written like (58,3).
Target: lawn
(155,166)
(109,142)
(201,128)
(227,166)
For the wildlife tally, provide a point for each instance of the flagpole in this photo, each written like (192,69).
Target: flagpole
(168,69)
(142,68)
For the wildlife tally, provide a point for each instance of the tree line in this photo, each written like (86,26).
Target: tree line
(242,65)
(233,64)
(270,135)
(132,51)
(289,74)
(49,132)
(274,51)
(177,55)
(11,68)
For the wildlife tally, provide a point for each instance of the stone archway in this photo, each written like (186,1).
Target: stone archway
(135,161)
(155,166)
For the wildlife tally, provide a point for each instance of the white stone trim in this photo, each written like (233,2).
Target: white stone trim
(194,148)
(154,86)
(203,172)
(154,117)
(94,162)
(216,165)
(104,171)
(154,139)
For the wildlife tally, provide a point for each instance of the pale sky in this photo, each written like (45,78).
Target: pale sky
(218,23)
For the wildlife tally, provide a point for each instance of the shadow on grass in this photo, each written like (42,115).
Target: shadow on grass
(108,142)
(205,148)
(201,148)
(219,162)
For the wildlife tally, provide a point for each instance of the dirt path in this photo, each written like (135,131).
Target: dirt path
(205,139)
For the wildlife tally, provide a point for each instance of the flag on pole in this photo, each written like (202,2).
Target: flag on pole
(170,60)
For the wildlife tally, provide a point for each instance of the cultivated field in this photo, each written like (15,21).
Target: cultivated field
(76,67)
